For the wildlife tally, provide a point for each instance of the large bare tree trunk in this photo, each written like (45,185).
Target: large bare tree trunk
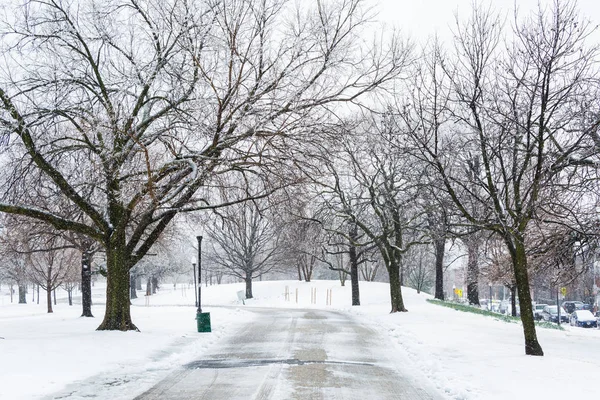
(118,312)
(248,281)
(396,289)
(519,258)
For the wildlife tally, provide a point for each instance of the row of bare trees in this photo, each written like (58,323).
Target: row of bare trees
(159,103)
(41,259)
(493,138)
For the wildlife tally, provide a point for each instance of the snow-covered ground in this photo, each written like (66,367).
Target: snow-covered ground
(466,356)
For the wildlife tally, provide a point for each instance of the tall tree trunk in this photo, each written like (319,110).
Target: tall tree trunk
(395,288)
(513,300)
(154,284)
(354,270)
(49,299)
(86,284)
(70,296)
(248,281)
(473,269)
(49,289)
(38,294)
(519,258)
(23,293)
(299,271)
(138,283)
(149,286)
(132,290)
(440,249)
(118,311)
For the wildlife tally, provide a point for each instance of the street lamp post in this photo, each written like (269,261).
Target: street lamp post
(203,318)
(195,280)
(199,302)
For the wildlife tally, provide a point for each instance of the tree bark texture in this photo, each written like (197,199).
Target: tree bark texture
(132,290)
(473,270)
(354,268)
(118,313)
(248,281)
(396,289)
(49,289)
(86,284)
(532,346)
(440,247)
(22,294)
(513,300)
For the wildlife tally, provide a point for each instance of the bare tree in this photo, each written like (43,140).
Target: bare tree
(429,98)
(14,264)
(375,188)
(420,270)
(51,263)
(71,280)
(245,243)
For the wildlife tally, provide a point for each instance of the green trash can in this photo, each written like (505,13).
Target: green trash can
(203,320)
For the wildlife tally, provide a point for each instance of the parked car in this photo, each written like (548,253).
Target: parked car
(571,306)
(537,311)
(583,318)
(506,307)
(550,314)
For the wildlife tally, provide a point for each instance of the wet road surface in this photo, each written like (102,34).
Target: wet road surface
(296,354)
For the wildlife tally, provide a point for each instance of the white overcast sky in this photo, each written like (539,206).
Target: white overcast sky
(423,18)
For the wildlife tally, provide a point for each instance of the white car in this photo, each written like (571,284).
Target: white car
(583,318)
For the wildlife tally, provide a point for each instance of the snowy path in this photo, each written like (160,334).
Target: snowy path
(296,354)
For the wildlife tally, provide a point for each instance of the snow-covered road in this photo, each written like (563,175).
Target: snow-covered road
(296,354)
